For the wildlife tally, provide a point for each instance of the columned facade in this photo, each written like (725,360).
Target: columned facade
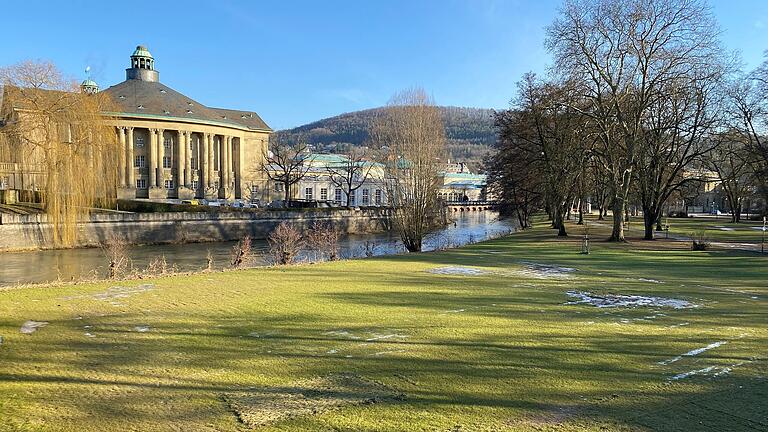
(172,147)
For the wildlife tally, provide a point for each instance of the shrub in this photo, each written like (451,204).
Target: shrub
(323,238)
(115,248)
(700,241)
(241,253)
(285,243)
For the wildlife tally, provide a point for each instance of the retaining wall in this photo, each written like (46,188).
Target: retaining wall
(19,232)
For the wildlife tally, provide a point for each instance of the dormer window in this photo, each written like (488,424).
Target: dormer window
(163,91)
(189,111)
(166,112)
(190,104)
(121,97)
(141,107)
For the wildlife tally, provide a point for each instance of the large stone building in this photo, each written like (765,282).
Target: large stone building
(172,146)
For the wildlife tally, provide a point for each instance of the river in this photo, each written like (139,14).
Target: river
(75,264)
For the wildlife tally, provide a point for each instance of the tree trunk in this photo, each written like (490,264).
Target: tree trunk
(287,195)
(561,231)
(659,227)
(617,234)
(649,220)
(581,213)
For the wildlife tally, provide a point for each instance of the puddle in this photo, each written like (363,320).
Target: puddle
(692,353)
(612,300)
(461,271)
(30,327)
(545,271)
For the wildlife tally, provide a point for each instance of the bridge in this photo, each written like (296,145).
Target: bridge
(470,206)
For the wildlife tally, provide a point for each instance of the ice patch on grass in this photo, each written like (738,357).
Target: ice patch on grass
(386,336)
(692,353)
(656,281)
(90,335)
(692,373)
(30,327)
(343,333)
(141,329)
(461,271)
(455,311)
(612,300)
(115,292)
(722,228)
(545,271)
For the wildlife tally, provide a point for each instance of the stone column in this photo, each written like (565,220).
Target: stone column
(222,161)
(202,161)
(160,155)
(210,150)
(152,162)
(121,170)
(130,173)
(188,160)
(229,161)
(181,147)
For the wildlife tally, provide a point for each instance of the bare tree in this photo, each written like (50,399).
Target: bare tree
(50,124)
(115,248)
(547,133)
(287,164)
(411,129)
(241,253)
(731,161)
(620,54)
(676,135)
(351,172)
(323,238)
(285,243)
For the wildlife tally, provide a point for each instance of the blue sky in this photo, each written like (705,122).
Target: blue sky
(296,62)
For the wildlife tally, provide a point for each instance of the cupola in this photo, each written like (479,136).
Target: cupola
(142,66)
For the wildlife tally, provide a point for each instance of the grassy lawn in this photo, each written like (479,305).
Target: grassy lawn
(719,229)
(385,345)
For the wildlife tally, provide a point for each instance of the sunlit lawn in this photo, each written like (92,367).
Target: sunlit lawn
(495,351)
(719,228)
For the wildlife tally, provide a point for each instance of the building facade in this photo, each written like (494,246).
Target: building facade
(172,146)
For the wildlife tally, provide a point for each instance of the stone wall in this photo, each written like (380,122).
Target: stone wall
(18,232)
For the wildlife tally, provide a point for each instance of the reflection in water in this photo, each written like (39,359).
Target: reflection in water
(72,264)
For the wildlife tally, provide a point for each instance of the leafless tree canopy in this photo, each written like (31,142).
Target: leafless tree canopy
(286,163)
(412,136)
(623,57)
(351,173)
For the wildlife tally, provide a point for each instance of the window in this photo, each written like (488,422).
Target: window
(254,193)
(378,196)
(168,184)
(191,146)
(365,196)
(167,143)
(352,196)
(278,187)
(139,141)
(166,161)
(195,184)
(337,195)
(308,194)
(193,163)
(216,185)
(323,194)
(140,161)
(141,183)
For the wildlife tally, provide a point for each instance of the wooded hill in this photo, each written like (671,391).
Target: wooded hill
(469,131)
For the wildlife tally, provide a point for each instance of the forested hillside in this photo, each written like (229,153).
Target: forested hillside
(469,131)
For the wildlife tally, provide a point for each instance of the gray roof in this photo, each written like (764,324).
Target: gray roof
(153,99)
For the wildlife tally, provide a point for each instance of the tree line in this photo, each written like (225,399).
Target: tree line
(641,102)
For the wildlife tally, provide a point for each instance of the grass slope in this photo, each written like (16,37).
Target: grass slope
(383,345)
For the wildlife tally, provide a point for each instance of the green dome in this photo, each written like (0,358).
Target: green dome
(89,83)
(141,51)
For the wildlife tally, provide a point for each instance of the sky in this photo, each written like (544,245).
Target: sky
(295,62)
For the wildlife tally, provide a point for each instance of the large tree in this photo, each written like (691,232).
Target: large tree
(411,132)
(51,127)
(731,161)
(620,54)
(543,129)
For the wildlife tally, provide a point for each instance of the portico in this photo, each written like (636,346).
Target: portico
(174,147)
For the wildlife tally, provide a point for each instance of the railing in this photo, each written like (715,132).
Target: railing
(470,203)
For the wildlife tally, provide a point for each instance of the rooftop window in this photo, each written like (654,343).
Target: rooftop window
(141,107)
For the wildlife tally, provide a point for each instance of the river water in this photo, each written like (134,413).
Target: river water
(75,264)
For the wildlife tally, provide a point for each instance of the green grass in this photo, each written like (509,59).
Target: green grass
(473,353)
(719,229)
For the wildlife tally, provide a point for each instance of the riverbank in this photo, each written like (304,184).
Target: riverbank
(32,232)
(517,333)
